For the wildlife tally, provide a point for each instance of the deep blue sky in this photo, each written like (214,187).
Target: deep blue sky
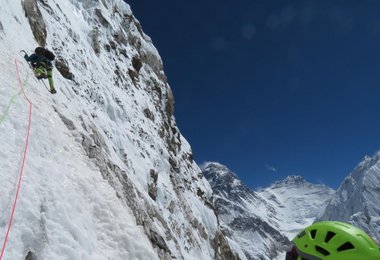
(261,85)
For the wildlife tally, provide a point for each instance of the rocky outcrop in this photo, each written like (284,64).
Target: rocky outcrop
(153,184)
(223,248)
(31,256)
(95,41)
(103,21)
(63,67)
(36,21)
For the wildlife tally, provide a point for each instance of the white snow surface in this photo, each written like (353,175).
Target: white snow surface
(69,207)
(296,202)
(357,200)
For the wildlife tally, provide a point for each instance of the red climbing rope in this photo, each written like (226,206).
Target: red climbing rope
(23,159)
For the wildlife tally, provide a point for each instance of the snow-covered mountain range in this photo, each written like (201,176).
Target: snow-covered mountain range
(263,221)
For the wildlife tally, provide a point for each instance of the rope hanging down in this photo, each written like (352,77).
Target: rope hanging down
(23,159)
(11,101)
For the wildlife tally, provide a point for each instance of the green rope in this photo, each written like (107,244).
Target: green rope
(12,100)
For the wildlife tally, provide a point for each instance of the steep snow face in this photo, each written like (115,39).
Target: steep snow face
(296,202)
(107,173)
(357,199)
(246,217)
(263,221)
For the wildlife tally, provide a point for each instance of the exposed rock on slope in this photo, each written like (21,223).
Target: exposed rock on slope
(36,21)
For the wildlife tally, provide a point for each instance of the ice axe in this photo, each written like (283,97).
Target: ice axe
(23,52)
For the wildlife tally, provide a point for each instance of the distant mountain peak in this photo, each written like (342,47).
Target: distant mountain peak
(206,165)
(217,170)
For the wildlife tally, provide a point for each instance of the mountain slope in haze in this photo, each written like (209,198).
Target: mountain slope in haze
(108,174)
(357,200)
(297,202)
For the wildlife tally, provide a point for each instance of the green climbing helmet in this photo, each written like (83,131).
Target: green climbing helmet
(334,241)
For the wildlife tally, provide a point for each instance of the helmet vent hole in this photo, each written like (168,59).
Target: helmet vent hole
(346,246)
(313,233)
(329,236)
(301,234)
(322,250)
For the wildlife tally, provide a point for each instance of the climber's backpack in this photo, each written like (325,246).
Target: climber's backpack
(44,53)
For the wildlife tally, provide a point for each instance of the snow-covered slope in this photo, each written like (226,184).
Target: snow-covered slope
(107,173)
(264,221)
(297,202)
(357,200)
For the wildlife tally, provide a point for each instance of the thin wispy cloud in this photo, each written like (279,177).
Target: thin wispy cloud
(271,168)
